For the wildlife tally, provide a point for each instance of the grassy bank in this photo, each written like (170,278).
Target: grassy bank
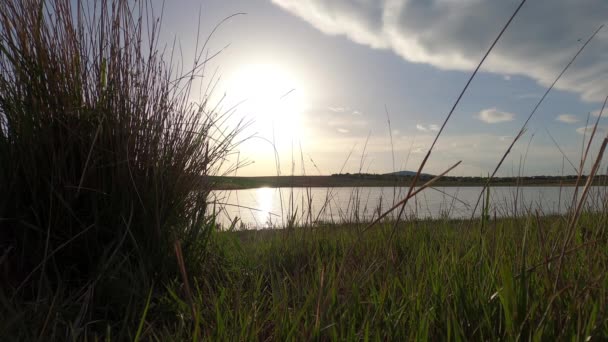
(426,280)
(431,279)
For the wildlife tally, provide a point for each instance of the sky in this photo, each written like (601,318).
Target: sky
(329,86)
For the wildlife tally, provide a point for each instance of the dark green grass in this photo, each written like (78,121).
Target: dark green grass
(101,148)
(434,280)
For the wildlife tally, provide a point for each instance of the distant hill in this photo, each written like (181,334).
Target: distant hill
(406,173)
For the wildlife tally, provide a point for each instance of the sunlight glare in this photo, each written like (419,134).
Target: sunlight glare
(270,95)
(264,204)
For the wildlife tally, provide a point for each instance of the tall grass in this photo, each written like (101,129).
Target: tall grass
(103,162)
(438,283)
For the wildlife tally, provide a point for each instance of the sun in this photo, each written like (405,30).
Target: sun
(272,96)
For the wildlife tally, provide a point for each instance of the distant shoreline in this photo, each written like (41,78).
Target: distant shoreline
(336,181)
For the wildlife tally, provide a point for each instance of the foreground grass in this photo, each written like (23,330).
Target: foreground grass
(101,147)
(432,280)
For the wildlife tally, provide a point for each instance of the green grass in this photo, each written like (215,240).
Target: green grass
(435,280)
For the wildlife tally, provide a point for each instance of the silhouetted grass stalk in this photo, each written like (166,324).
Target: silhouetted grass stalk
(104,157)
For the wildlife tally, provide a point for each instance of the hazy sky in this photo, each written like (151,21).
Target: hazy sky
(319,74)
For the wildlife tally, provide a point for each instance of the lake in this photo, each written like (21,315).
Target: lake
(275,207)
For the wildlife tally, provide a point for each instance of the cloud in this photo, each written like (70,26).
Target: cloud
(346,122)
(341,109)
(343,130)
(492,115)
(429,128)
(597,112)
(337,109)
(421,128)
(453,35)
(479,153)
(567,118)
(587,130)
(419,150)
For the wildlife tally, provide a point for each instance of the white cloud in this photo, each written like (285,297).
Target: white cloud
(337,109)
(419,150)
(597,112)
(453,35)
(479,152)
(341,109)
(421,128)
(587,130)
(343,130)
(427,128)
(493,115)
(567,118)
(346,122)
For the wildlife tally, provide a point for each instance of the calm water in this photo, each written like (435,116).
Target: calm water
(274,207)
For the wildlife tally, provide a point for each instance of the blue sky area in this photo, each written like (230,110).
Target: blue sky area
(317,75)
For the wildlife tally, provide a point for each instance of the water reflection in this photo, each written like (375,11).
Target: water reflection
(270,207)
(263,198)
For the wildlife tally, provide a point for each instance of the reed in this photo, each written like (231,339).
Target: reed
(104,159)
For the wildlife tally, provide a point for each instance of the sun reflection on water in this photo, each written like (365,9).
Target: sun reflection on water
(264,197)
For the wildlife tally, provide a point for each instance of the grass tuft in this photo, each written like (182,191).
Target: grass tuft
(104,164)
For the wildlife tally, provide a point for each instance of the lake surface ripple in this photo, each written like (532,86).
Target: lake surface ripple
(275,207)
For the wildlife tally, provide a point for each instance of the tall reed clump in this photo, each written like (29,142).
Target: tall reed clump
(103,156)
